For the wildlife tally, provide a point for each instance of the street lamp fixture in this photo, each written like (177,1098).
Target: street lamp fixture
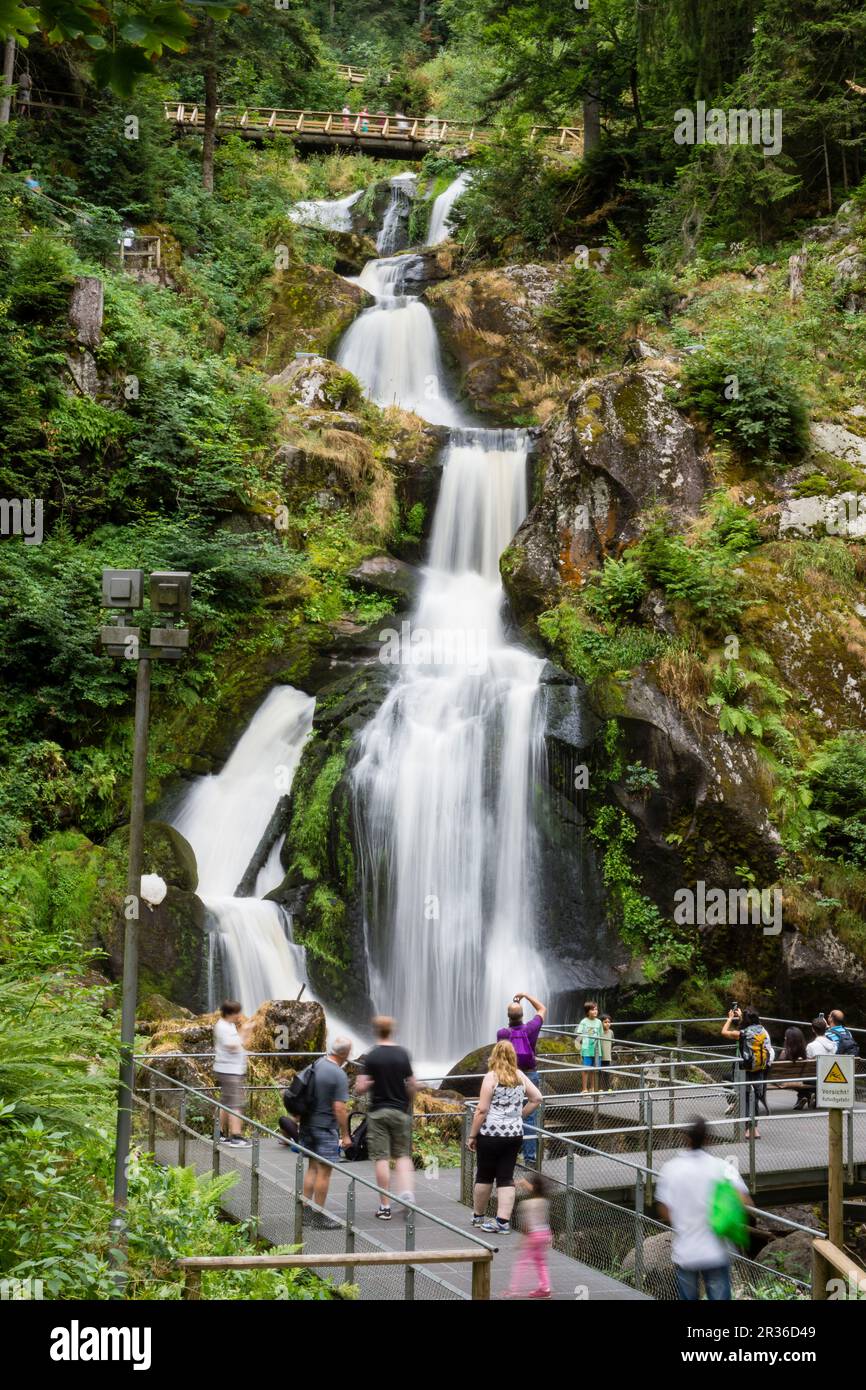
(123,595)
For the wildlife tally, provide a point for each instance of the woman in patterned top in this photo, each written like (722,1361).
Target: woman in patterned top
(507,1098)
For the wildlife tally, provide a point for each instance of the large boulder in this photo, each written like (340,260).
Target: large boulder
(618,447)
(820,972)
(310,308)
(289,1028)
(490,326)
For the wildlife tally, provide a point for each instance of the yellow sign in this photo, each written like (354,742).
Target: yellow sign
(835,1076)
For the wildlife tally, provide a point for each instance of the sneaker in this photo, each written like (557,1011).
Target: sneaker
(238,1143)
(383,1214)
(225,1138)
(476,1220)
(320,1222)
(540,1293)
(497,1227)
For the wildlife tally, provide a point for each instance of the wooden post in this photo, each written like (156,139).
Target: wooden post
(481,1279)
(192,1284)
(834,1177)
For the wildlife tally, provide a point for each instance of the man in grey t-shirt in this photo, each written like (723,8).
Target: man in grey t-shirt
(326,1128)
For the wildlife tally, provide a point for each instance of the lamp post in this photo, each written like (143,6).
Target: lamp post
(123,594)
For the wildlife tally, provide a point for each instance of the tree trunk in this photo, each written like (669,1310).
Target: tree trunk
(210,110)
(591,123)
(8,80)
(422,11)
(635,97)
(332,7)
(827,174)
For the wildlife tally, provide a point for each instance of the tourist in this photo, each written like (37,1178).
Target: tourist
(524,1039)
(387,1073)
(325,1128)
(821,1045)
(347,118)
(365,122)
(685,1193)
(589,1035)
(402,122)
(507,1097)
(606,1051)
(756,1055)
(794,1050)
(383,117)
(840,1035)
(230,1068)
(533,1215)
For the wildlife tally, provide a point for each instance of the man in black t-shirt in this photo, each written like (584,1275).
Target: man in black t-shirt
(387,1076)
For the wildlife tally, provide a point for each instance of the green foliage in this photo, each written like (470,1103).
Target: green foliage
(742,387)
(836,779)
(617,590)
(308,833)
(695,576)
(581,312)
(746,701)
(593,654)
(641,924)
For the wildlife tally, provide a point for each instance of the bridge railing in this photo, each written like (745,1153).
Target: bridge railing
(355,126)
(269,1195)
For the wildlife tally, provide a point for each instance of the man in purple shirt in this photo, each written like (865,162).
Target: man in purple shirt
(524,1037)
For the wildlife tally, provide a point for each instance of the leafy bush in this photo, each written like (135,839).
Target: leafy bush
(617,589)
(836,777)
(691,575)
(592,654)
(742,387)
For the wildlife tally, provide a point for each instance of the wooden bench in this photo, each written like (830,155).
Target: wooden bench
(793,1076)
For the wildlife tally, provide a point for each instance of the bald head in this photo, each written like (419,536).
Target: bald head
(515,1014)
(341,1047)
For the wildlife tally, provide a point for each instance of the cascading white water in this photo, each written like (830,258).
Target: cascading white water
(224,818)
(444,779)
(392,348)
(332,214)
(397,213)
(440,229)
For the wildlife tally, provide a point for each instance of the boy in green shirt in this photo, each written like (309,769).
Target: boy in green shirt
(589,1032)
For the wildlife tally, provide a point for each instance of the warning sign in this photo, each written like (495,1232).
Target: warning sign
(836,1081)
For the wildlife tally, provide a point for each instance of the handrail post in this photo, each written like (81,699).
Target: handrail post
(464,1136)
(481,1279)
(646,1099)
(299,1198)
(151,1116)
(679,1035)
(671,1102)
(639,1209)
(409,1286)
(539,1138)
(570,1203)
(181,1133)
(738,1101)
(850,1128)
(192,1284)
(215,1143)
(350,1229)
(254,1182)
(820,1270)
(753,1121)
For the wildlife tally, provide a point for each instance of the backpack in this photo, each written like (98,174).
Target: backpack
(299,1096)
(357,1150)
(755,1048)
(845,1044)
(727,1215)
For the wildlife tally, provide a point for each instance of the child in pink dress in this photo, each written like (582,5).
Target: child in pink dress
(534,1217)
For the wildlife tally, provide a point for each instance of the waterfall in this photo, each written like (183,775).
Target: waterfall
(444,779)
(440,229)
(393,229)
(333,215)
(392,347)
(224,818)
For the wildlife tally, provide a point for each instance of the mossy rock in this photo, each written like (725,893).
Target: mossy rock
(310,309)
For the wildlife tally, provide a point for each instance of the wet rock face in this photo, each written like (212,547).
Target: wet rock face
(309,310)
(619,447)
(821,969)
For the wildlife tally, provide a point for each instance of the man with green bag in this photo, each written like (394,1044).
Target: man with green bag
(704,1200)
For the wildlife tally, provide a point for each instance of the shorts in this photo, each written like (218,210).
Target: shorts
(233,1091)
(589,1061)
(389,1134)
(496,1159)
(324,1142)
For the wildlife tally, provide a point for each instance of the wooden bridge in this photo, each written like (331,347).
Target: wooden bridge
(357,76)
(387,137)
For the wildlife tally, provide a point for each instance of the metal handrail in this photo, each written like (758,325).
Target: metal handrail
(568,1028)
(307,1153)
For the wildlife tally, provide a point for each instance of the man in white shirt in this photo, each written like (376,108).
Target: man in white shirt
(230,1068)
(684,1196)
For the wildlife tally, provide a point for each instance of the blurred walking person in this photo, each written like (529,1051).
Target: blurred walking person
(507,1097)
(530,1276)
(387,1075)
(524,1039)
(694,1189)
(324,1129)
